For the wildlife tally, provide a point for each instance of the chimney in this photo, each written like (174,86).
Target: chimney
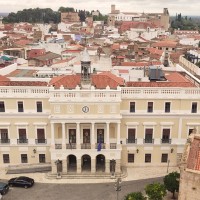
(113,8)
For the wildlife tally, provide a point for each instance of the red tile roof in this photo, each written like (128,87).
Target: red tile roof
(176,77)
(100,81)
(4,79)
(165,43)
(23,83)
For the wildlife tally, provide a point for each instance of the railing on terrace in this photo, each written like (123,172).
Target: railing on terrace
(103,145)
(23,91)
(159,92)
(131,141)
(58,146)
(22,141)
(4,141)
(71,146)
(86,146)
(113,145)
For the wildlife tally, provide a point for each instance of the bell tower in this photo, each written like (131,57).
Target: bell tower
(85,69)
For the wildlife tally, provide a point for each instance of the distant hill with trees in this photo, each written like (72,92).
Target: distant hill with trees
(185,22)
(46,15)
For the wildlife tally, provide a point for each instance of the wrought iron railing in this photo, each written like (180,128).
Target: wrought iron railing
(22,141)
(40,141)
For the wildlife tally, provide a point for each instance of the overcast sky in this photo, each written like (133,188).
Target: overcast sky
(186,7)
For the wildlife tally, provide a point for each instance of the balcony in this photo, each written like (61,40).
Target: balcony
(40,141)
(148,141)
(22,141)
(71,146)
(86,146)
(103,145)
(166,141)
(131,141)
(113,145)
(5,141)
(58,146)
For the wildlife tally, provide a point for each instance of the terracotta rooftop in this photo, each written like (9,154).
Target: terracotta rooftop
(47,56)
(140,64)
(165,43)
(23,83)
(100,81)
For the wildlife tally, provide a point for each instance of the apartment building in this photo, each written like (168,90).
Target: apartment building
(97,123)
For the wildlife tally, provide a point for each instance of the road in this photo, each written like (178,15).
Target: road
(100,191)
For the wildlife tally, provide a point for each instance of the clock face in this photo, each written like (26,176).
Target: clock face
(85,109)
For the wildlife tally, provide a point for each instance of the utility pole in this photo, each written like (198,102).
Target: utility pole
(118,186)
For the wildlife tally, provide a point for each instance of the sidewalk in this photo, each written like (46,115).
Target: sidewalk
(136,173)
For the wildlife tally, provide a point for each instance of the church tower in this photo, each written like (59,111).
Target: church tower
(85,69)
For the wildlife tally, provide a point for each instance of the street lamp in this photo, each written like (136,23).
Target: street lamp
(118,186)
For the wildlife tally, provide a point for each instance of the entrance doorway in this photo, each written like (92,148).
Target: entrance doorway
(86,163)
(100,163)
(72,164)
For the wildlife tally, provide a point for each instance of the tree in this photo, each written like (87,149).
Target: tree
(155,191)
(134,196)
(171,182)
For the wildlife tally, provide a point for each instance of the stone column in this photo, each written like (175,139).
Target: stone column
(78,136)
(64,166)
(107,166)
(92,137)
(118,135)
(63,136)
(93,166)
(79,166)
(52,135)
(107,135)
(118,166)
(53,167)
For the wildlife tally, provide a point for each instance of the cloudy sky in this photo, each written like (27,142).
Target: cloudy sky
(186,7)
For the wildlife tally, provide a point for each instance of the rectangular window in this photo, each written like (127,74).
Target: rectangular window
(190,131)
(22,136)
(148,135)
(147,158)
(167,107)
(150,107)
(6,158)
(4,136)
(42,158)
(2,106)
(100,135)
(39,106)
(132,107)
(166,135)
(164,158)
(40,136)
(24,158)
(194,107)
(131,135)
(20,106)
(72,136)
(131,158)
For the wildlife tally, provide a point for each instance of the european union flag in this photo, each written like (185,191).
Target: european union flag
(99,146)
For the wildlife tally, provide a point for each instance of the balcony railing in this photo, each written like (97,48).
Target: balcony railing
(113,146)
(58,146)
(131,141)
(103,145)
(40,141)
(86,146)
(5,141)
(22,141)
(71,146)
(166,141)
(148,141)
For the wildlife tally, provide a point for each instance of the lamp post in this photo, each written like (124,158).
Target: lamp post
(118,186)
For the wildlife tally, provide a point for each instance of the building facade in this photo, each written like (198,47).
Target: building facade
(88,129)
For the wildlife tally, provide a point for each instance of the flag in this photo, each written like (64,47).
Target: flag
(99,146)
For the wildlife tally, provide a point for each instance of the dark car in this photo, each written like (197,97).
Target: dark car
(21,181)
(4,187)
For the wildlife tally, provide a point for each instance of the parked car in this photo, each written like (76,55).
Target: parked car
(21,181)
(4,187)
